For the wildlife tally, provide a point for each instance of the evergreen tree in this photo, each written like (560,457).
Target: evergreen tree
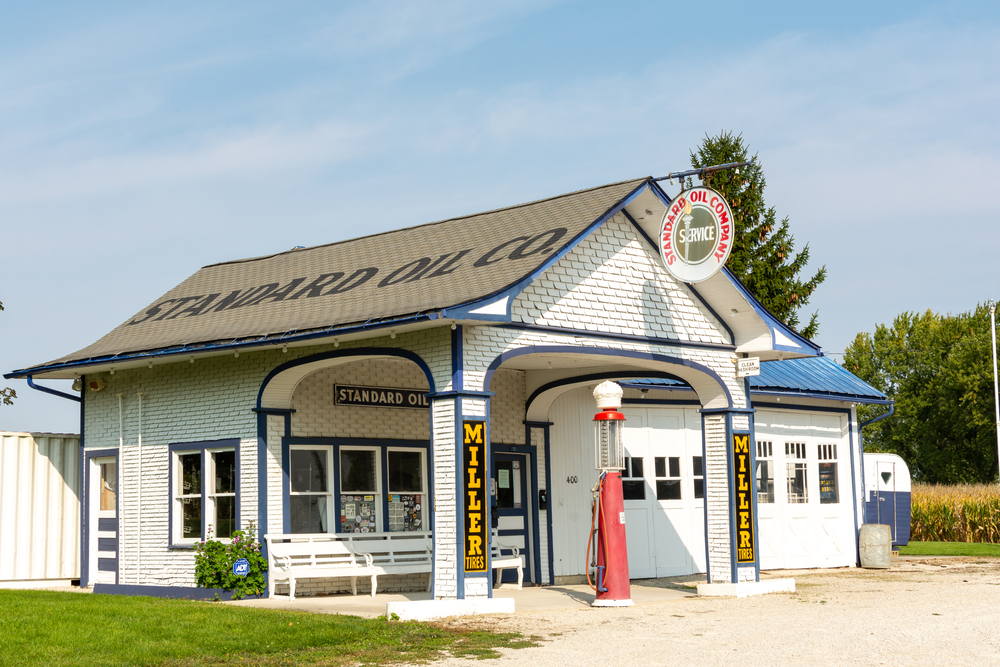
(763,257)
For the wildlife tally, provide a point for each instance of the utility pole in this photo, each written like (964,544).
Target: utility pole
(996,394)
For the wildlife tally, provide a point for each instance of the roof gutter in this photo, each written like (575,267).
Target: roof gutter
(54,392)
(861,426)
(262,341)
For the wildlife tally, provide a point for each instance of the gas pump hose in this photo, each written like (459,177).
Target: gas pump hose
(593,520)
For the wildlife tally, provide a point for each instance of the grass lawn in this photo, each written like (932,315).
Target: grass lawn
(50,628)
(950,549)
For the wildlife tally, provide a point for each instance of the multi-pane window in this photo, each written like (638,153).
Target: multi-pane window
(360,497)
(633,483)
(668,477)
(698,470)
(798,487)
(310,501)
(829,489)
(204,494)
(765,472)
(406,489)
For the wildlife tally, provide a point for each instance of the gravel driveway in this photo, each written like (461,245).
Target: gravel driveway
(922,611)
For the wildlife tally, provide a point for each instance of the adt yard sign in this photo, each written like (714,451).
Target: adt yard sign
(241,567)
(696,234)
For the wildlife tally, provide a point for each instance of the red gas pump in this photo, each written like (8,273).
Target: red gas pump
(609,509)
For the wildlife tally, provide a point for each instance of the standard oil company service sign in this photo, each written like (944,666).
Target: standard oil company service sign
(696,234)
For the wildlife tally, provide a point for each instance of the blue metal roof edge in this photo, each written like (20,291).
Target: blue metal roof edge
(773,323)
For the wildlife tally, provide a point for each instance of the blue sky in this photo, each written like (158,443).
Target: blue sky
(140,142)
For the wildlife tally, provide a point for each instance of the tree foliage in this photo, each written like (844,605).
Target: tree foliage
(763,255)
(939,371)
(7,395)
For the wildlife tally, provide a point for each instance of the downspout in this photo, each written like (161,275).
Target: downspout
(861,444)
(54,392)
(138,531)
(121,488)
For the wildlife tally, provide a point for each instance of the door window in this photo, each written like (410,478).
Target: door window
(633,483)
(668,477)
(829,489)
(698,469)
(109,486)
(798,483)
(765,471)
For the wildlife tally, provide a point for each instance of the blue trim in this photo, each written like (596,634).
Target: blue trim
(607,352)
(273,411)
(354,352)
(459,394)
(674,342)
(431,502)
(753,481)
(488,465)
(731,483)
(85,565)
(168,592)
(641,231)
(457,357)
(534,557)
(593,376)
(459,498)
(820,395)
(262,341)
(704,475)
(657,401)
(462,311)
(54,392)
(773,323)
(225,443)
(544,426)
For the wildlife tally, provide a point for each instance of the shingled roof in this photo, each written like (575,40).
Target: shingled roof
(370,279)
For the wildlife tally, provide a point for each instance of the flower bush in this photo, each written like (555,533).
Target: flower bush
(213,563)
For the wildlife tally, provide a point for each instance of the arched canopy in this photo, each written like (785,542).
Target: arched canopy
(277,388)
(620,364)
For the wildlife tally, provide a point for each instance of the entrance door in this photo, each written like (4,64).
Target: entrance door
(103,547)
(510,481)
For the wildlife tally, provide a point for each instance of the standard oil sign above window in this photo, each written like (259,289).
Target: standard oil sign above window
(380,397)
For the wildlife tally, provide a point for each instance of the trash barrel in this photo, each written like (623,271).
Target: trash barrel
(875,545)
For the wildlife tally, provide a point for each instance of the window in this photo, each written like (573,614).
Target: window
(109,486)
(798,488)
(829,489)
(204,482)
(310,501)
(360,497)
(633,484)
(669,468)
(765,472)
(698,468)
(407,493)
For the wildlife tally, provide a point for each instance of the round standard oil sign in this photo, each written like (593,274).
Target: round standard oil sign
(696,234)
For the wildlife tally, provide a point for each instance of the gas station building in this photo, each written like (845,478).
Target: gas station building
(327,390)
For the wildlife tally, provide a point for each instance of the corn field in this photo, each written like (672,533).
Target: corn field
(957,513)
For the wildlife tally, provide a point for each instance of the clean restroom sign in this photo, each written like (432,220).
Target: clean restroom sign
(696,235)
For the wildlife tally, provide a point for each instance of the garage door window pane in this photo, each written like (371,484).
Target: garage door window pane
(668,489)
(634,488)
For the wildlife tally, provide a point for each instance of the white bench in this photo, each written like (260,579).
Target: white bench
(396,553)
(501,562)
(302,556)
(291,557)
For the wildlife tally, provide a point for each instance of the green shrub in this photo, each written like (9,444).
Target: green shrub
(214,559)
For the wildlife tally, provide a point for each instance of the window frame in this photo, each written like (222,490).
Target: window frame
(423,493)
(332,462)
(174,474)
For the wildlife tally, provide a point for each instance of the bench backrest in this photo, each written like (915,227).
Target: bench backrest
(303,550)
(394,548)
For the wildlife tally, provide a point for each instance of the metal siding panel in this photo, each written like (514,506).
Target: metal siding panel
(572,452)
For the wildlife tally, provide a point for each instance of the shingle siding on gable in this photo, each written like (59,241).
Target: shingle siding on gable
(613,281)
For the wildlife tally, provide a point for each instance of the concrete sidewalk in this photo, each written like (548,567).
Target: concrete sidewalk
(531,599)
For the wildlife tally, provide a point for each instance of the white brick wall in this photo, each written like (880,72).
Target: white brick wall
(717,500)
(446,514)
(613,281)
(507,407)
(317,416)
(477,587)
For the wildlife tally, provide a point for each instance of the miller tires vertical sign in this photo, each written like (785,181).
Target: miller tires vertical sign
(474,496)
(743,494)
